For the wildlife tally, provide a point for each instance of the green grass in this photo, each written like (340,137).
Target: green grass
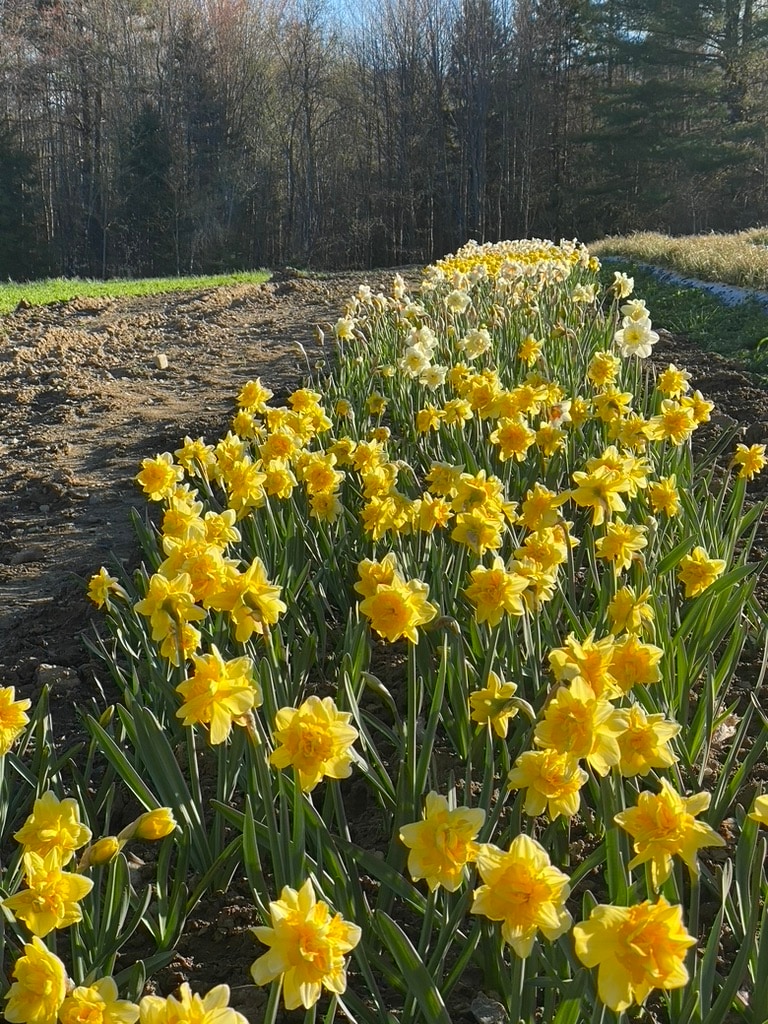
(61,289)
(739,332)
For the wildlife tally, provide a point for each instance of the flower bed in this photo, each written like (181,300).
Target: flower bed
(472,588)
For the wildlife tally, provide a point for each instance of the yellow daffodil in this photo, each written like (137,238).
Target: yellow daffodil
(307,947)
(316,739)
(495,592)
(397,609)
(589,658)
(102,586)
(636,950)
(493,705)
(644,744)
(663,825)
(524,891)
(553,782)
(443,843)
(254,396)
(585,727)
(759,812)
(187,1007)
(698,571)
(253,602)
(600,491)
(159,476)
(168,603)
(673,382)
(51,899)
(675,423)
(97,1003)
(664,496)
(151,826)
(13,719)
(630,612)
(620,543)
(218,693)
(635,663)
(39,987)
(750,460)
(53,826)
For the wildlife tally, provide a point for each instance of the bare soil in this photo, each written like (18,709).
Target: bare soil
(83,399)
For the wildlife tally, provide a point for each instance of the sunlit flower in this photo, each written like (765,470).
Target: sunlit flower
(622,285)
(187,1007)
(495,592)
(102,586)
(13,719)
(51,899)
(600,491)
(253,602)
(397,609)
(443,843)
(524,891)
(253,396)
(663,825)
(644,744)
(53,825)
(759,812)
(307,947)
(635,663)
(316,739)
(493,704)
(168,603)
(673,382)
(39,988)
(151,826)
(603,369)
(698,571)
(159,476)
(577,723)
(589,658)
(477,531)
(630,612)
(218,693)
(97,1003)
(750,461)
(664,496)
(553,782)
(636,338)
(636,949)
(675,423)
(621,543)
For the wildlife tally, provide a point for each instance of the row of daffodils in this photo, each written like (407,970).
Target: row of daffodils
(445,659)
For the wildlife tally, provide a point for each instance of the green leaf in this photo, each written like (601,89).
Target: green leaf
(420,983)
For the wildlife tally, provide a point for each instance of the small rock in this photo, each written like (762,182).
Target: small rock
(56,677)
(35,553)
(488,1011)
(756,433)
(45,508)
(161,361)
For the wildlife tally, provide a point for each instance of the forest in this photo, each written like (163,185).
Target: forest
(149,137)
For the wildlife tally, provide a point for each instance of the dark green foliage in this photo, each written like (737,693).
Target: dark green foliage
(147,198)
(23,252)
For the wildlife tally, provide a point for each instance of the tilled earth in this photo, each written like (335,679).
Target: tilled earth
(90,387)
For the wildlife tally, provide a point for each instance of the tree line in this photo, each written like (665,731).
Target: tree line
(144,137)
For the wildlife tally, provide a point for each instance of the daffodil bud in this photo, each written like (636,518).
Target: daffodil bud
(155,824)
(101,852)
